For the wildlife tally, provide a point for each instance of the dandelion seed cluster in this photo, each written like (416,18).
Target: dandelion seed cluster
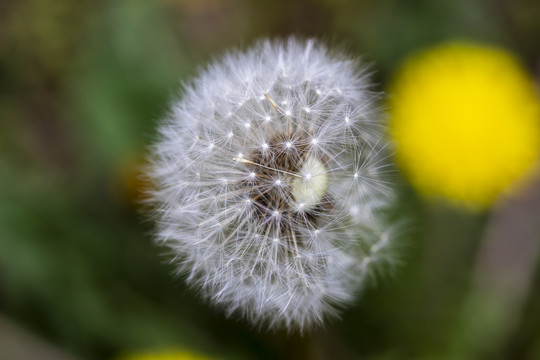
(269,183)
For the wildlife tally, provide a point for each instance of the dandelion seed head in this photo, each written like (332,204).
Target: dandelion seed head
(262,225)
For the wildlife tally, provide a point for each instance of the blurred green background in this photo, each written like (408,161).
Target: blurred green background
(82,86)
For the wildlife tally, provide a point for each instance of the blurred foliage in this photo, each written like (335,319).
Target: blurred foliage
(82,86)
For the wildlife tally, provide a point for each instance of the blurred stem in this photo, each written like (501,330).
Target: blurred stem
(524,342)
(451,238)
(503,277)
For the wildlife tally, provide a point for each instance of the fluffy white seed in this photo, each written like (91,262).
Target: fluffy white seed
(266,197)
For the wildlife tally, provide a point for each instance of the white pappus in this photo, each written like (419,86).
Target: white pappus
(268,183)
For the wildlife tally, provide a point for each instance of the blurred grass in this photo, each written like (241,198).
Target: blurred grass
(82,85)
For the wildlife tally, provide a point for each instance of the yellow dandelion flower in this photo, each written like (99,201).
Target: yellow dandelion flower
(165,355)
(465,120)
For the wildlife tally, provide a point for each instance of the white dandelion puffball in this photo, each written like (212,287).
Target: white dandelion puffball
(268,183)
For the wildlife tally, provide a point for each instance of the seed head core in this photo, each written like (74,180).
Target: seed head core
(311,187)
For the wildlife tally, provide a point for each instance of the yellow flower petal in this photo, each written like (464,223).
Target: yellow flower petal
(165,355)
(466,122)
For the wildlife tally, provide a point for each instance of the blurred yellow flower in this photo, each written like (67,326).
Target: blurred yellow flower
(165,355)
(465,120)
